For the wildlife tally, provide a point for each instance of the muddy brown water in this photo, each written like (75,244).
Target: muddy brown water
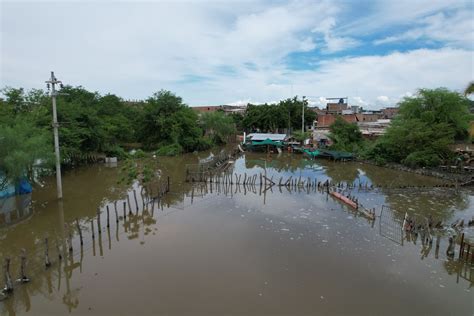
(237,250)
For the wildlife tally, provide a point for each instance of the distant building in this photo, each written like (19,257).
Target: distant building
(336,108)
(326,120)
(367,117)
(206,108)
(390,112)
(373,129)
(228,109)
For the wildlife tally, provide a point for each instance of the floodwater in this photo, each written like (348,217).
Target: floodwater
(236,250)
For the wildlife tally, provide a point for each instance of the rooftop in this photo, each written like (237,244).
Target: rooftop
(263,136)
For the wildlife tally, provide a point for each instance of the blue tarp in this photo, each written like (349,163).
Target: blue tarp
(24,187)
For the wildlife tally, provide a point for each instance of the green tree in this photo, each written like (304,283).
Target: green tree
(218,126)
(283,115)
(168,121)
(345,136)
(301,137)
(425,127)
(469,89)
(24,146)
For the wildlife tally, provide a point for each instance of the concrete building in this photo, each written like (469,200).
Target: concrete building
(228,109)
(390,112)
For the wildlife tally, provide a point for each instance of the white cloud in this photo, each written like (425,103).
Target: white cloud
(220,52)
(371,81)
(356,100)
(383,99)
(456,29)
(333,43)
(386,14)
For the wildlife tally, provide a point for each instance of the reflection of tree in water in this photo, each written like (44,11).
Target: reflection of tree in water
(342,172)
(462,270)
(440,203)
(285,162)
(42,284)
(393,178)
(135,222)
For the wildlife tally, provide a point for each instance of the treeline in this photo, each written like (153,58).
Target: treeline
(419,136)
(91,125)
(284,115)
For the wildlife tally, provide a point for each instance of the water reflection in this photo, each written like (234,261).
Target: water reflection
(15,209)
(89,189)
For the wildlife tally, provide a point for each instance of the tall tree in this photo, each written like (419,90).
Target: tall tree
(425,127)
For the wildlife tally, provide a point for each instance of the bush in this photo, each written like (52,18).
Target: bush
(422,159)
(116,151)
(170,150)
(139,154)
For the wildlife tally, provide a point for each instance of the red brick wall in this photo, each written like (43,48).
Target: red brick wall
(327,119)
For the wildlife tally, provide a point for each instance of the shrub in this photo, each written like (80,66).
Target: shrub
(170,150)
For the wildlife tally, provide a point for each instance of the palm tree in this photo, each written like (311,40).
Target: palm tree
(469,88)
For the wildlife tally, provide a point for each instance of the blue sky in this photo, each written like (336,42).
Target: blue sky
(233,52)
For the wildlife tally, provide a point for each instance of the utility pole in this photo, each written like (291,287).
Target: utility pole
(302,117)
(53,82)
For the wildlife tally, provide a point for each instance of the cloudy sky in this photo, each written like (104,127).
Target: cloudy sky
(229,52)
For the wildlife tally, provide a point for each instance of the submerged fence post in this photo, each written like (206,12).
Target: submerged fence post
(69,239)
(23,278)
(99,228)
(461,247)
(129,206)
(135,198)
(47,262)
(450,250)
(124,210)
(80,231)
(108,217)
(8,279)
(92,229)
(168,186)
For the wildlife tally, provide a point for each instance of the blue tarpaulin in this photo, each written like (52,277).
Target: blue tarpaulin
(24,187)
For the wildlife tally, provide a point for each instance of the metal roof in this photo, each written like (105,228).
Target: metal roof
(263,136)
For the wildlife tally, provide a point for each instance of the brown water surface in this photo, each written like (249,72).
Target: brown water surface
(235,250)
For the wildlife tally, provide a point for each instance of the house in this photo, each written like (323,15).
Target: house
(206,108)
(326,120)
(390,112)
(227,109)
(258,137)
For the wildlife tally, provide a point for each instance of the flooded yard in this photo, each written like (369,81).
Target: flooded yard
(227,249)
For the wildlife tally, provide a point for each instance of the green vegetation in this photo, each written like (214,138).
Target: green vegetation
(419,136)
(300,136)
(425,127)
(218,126)
(166,121)
(469,89)
(23,146)
(345,136)
(274,117)
(94,125)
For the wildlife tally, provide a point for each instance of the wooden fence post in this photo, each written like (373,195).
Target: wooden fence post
(80,231)
(23,278)
(99,228)
(47,262)
(8,279)
(108,217)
